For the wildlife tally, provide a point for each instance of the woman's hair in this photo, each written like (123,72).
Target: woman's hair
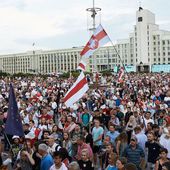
(130,166)
(123,160)
(123,137)
(163,150)
(167,165)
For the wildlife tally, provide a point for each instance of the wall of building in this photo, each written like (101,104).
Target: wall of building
(146,45)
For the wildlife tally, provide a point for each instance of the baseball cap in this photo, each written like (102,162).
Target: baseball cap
(134,138)
(15,137)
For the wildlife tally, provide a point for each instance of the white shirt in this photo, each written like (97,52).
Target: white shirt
(53,148)
(63,167)
(165,143)
(142,139)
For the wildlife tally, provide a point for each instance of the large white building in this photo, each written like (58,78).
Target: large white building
(145,47)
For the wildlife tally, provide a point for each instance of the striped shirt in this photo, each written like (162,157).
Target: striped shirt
(134,155)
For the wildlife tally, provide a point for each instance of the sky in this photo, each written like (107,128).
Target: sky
(58,24)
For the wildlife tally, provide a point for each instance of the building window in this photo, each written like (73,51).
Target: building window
(159,59)
(164,59)
(140,19)
(154,59)
(168,53)
(163,42)
(154,37)
(168,59)
(163,53)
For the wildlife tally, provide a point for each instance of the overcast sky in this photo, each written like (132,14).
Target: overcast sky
(56,24)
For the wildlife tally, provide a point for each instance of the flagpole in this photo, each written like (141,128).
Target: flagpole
(118,54)
(9,143)
(94,10)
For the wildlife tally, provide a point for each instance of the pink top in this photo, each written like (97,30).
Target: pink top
(84,146)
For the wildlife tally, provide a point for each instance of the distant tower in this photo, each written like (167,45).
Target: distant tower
(93,14)
(91,25)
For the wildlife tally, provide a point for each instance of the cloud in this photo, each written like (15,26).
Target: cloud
(60,24)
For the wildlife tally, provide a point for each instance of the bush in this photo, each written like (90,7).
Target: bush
(106,73)
(23,75)
(4,74)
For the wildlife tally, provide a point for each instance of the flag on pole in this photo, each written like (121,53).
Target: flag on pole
(82,65)
(121,73)
(77,91)
(13,125)
(98,39)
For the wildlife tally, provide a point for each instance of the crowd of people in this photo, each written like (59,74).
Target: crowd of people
(121,125)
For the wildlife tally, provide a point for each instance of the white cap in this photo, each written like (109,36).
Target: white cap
(15,137)
(30,136)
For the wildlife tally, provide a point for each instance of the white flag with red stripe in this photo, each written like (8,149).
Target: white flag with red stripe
(98,39)
(121,73)
(77,91)
(82,65)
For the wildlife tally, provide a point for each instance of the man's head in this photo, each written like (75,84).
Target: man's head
(133,141)
(57,158)
(137,129)
(147,115)
(111,127)
(97,122)
(109,147)
(42,149)
(50,141)
(151,136)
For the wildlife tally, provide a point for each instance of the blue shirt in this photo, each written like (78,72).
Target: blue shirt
(46,162)
(111,167)
(134,156)
(112,135)
(96,132)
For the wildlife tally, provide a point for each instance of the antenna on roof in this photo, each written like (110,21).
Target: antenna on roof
(140,5)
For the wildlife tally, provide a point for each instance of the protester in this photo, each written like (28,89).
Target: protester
(105,119)
(58,164)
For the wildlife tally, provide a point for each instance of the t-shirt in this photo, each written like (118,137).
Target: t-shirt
(85,165)
(46,162)
(153,151)
(63,167)
(85,119)
(165,142)
(96,132)
(110,167)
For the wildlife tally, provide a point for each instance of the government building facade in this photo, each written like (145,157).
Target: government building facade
(147,46)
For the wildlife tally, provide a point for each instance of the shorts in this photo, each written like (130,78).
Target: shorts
(96,148)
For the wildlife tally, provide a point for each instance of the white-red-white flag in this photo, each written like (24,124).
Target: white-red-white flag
(77,91)
(121,73)
(98,39)
(82,65)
